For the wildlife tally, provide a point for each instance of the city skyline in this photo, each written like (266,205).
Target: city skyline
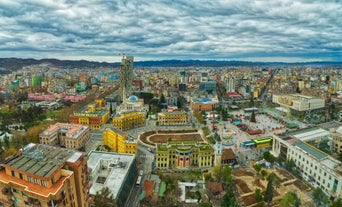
(285,31)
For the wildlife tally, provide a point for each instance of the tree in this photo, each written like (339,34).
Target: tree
(258,195)
(336,203)
(290,199)
(229,200)
(268,197)
(253,117)
(319,197)
(104,198)
(257,168)
(263,173)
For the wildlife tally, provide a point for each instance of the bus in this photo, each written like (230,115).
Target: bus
(137,184)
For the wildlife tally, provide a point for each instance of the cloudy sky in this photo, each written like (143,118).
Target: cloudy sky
(101,30)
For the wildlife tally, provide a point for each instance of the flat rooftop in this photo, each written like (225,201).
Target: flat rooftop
(311,150)
(109,169)
(42,160)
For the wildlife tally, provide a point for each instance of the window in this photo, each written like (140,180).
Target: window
(29,178)
(23,193)
(13,173)
(44,183)
(21,176)
(36,181)
(15,190)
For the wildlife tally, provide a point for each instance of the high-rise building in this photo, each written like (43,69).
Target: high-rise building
(126,77)
(45,176)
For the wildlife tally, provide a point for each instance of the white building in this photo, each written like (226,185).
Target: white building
(113,170)
(316,167)
(298,102)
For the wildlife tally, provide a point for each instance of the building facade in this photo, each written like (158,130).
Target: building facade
(299,103)
(205,104)
(129,120)
(119,141)
(173,118)
(184,155)
(94,115)
(73,136)
(316,167)
(45,176)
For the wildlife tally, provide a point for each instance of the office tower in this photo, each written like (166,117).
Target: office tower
(126,77)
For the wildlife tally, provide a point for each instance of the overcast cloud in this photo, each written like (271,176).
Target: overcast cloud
(264,30)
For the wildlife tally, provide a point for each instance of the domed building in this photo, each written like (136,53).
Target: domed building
(130,114)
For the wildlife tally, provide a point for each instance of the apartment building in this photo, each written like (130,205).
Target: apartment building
(94,115)
(129,120)
(316,167)
(173,118)
(113,170)
(119,141)
(183,155)
(45,176)
(73,136)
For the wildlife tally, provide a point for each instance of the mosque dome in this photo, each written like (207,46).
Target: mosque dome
(133,98)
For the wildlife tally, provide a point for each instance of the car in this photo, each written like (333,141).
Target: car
(149,149)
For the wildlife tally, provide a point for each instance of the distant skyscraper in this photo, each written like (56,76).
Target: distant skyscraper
(126,77)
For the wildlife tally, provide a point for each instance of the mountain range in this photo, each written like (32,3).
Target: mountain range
(12,64)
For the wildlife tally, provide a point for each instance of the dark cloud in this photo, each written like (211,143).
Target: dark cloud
(216,29)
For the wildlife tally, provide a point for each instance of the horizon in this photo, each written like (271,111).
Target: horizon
(238,30)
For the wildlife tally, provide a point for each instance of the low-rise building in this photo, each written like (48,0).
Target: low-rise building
(113,170)
(45,176)
(183,155)
(94,115)
(173,118)
(129,120)
(205,104)
(298,103)
(120,141)
(73,136)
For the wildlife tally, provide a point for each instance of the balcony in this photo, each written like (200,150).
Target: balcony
(7,192)
(34,202)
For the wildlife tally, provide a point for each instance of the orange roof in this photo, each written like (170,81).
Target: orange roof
(148,186)
(31,187)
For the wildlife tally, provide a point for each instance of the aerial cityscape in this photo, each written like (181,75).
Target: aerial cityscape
(170,103)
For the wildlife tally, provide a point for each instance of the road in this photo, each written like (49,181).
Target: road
(144,162)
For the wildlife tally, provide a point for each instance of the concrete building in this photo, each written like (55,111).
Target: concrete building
(298,103)
(205,104)
(208,86)
(183,155)
(119,141)
(94,115)
(173,118)
(129,120)
(45,176)
(73,136)
(337,140)
(115,171)
(315,166)
(126,77)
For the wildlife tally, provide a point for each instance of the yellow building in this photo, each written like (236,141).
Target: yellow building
(129,120)
(184,154)
(173,118)
(45,176)
(119,141)
(94,115)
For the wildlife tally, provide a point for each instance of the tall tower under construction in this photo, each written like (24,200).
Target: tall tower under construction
(126,77)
